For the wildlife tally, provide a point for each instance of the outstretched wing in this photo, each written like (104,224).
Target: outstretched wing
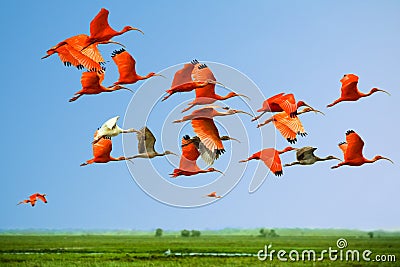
(272,160)
(99,24)
(355,146)
(208,133)
(306,152)
(147,141)
(102,148)
(183,75)
(190,154)
(125,62)
(287,103)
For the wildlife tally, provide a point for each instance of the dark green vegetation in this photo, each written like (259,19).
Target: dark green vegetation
(130,250)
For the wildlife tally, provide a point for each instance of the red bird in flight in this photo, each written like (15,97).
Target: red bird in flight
(271,159)
(33,198)
(352,150)
(350,92)
(187,164)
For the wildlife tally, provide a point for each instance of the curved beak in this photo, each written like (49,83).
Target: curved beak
(244,112)
(231,138)
(126,89)
(215,82)
(317,111)
(220,172)
(160,75)
(245,96)
(388,159)
(384,91)
(139,30)
(336,158)
(113,42)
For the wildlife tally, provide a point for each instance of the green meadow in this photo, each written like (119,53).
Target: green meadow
(206,250)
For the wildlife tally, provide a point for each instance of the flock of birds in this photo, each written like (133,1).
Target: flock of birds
(82,52)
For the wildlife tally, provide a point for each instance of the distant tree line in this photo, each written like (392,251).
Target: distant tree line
(268,233)
(193,233)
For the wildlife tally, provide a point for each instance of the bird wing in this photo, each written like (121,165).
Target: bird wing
(99,24)
(125,62)
(285,131)
(111,123)
(33,197)
(66,57)
(190,154)
(287,103)
(102,148)
(293,124)
(183,75)
(207,155)
(208,134)
(41,197)
(90,79)
(207,91)
(343,147)
(305,153)
(268,103)
(354,146)
(78,43)
(271,159)
(350,90)
(149,141)
(84,60)
(201,72)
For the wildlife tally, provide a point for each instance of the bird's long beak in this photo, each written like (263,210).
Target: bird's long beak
(139,30)
(388,159)
(113,42)
(220,172)
(126,89)
(215,82)
(384,91)
(231,138)
(317,111)
(45,56)
(245,96)
(244,112)
(160,75)
(337,158)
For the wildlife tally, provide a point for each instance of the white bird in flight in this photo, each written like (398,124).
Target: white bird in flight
(111,129)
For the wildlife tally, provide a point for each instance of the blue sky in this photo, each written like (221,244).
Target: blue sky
(303,47)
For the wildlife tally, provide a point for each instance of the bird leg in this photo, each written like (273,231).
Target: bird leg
(186,109)
(259,116)
(291,164)
(131,130)
(75,97)
(265,122)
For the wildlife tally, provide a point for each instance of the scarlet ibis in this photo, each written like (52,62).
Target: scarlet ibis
(204,126)
(187,164)
(33,198)
(214,195)
(281,102)
(91,85)
(127,68)
(111,129)
(183,82)
(305,156)
(146,141)
(352,150)
(206,95)
(69,52)
(207,155)
(271,159)
(349,90)
(101,152)
(289,127)
(101,31)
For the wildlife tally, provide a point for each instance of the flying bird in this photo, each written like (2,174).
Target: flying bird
(101,152)
(271,159)
(305,156)
(69,52)
(187,164)
(205,128)
(101,31)
(281,102)
(214,195)
(127,68)
(183,81)
(289,127)
(352,150)
(33,198)
(207,155)
(91,85)
(146,141)
(349,90)
(206,95)
(111,129)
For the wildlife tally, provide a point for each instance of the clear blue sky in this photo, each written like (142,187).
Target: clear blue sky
(303,47)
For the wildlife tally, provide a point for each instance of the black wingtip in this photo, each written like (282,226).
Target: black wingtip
(278,173)
(202,66)
(116,52)
(186,137)
(292,141)
(219,151)
(194,61)
(349,132)
(341,143)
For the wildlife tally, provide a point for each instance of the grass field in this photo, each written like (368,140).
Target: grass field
(116,250)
